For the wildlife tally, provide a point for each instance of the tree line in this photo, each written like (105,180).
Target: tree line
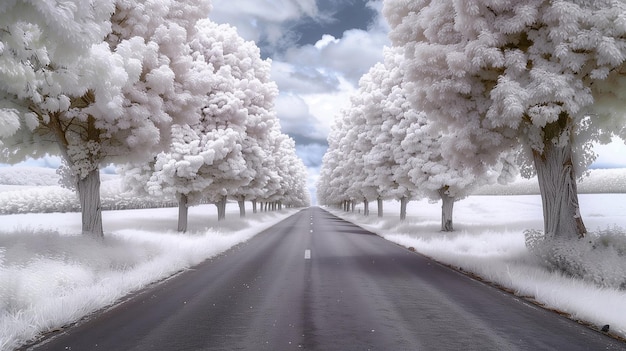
(184,106)
(472,91)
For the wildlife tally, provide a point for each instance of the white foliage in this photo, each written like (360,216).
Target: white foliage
(9,122)
(233,149)
(382,147)
(523,64)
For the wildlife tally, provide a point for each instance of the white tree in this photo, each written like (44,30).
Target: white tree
(385,109)
(291,174)
(228,153)
(373,146)
(548,74)
(332,186)
(96,82)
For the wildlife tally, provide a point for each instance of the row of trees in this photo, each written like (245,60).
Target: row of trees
(236,148)
(147,83)
(489,78)
(382,148)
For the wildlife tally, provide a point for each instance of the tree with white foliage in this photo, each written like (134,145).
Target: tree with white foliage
(373,143)
(546,74)
(94,81)
(228,152)
(291,173)
(205,160)
(384,111)
(331,185)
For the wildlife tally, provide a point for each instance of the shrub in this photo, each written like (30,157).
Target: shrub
(599,257)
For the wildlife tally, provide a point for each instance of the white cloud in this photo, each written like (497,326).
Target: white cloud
(268,10)
(294,114)
(325,41)
(264,20)
(292,78)
(325,107)
(351,56)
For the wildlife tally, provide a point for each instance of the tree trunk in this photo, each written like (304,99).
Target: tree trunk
(403,202)
(380,207)
(254,206)
(447,205)
(221,208)
(182,213)
(242,207)
(366,207)
(89,195)
(559,193)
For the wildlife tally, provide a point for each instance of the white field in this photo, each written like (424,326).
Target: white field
(489,241)
(51,276)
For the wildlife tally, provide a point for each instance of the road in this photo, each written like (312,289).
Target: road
(317,282)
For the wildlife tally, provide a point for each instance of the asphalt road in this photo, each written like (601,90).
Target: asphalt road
(317,282)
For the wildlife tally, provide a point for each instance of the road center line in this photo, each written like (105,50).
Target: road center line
(307,254)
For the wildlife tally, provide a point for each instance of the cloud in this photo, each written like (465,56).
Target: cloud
(267,22)
(311,154)
(325,107)
(292,78)
(294,115)
(350,56)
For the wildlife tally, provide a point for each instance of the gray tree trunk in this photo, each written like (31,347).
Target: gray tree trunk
(254,206)
(380,207)
(242,207)
(221,208)
(403,202)
(91,210)
(366,207)
(183,210)
(559,193)
(447,205)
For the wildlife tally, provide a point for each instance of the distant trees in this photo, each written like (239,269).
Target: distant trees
(545,74)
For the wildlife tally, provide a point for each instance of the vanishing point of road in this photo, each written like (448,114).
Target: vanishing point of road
(316,282)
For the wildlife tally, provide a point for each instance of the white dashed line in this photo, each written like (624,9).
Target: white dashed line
(307,254)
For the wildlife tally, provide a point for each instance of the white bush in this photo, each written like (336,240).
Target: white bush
(599,257)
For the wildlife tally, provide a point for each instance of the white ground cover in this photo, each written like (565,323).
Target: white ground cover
(51,276)
(489,241)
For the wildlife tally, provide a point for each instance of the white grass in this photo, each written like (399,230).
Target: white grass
(50,276)
(489,242)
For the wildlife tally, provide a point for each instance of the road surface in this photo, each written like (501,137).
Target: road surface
(316,282)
